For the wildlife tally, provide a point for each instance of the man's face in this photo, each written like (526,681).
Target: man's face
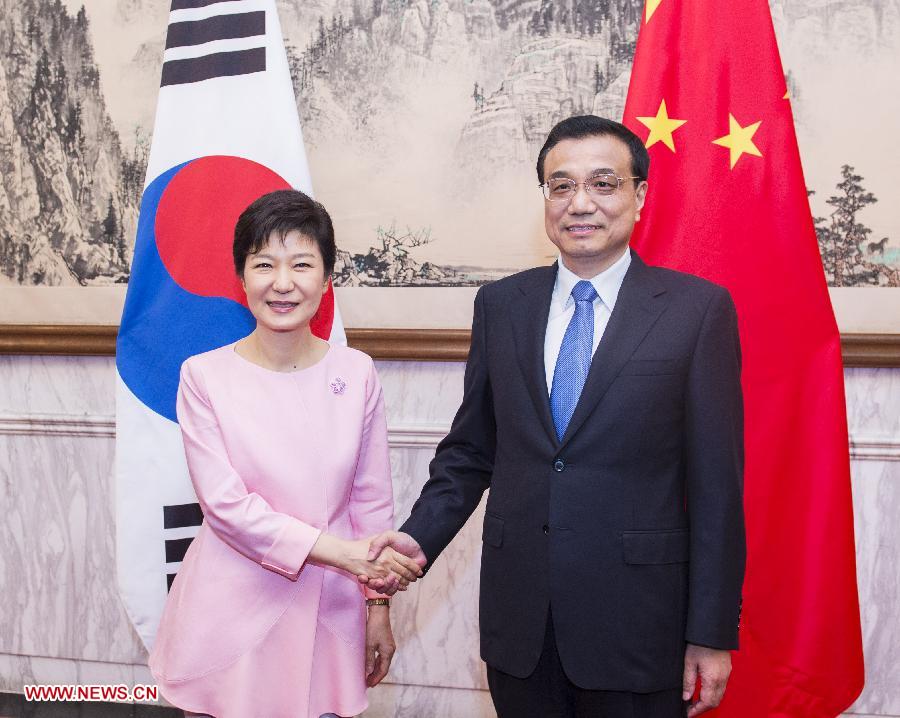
(592,231)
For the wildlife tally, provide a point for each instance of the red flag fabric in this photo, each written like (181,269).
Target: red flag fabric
(727,201)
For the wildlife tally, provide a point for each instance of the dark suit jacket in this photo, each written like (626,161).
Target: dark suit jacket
(632,526)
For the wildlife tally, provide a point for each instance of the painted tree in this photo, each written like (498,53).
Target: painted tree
(599,80)
(842,237)
(111,226)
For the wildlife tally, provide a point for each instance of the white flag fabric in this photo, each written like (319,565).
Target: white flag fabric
(226,132)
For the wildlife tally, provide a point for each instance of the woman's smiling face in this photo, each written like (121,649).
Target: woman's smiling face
(285,281)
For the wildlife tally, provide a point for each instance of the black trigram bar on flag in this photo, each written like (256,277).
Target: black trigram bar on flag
(179,516)
(220,64)
(176,549)
(219,27)
(188,4)
(188,33)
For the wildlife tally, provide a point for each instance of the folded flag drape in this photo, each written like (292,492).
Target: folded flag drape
(226,132)
(727,201)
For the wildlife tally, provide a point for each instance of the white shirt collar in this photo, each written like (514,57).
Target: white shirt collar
(607,283)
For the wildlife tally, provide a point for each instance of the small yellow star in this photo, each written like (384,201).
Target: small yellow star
(661,127)
(651,8)
(787,95)
(739,140)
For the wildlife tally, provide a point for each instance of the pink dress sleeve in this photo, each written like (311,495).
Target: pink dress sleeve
(372,496)
(241,518)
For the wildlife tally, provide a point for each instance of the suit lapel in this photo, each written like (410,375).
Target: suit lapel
(640,302)
(529,321)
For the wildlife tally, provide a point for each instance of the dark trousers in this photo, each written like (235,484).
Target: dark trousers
(548,693)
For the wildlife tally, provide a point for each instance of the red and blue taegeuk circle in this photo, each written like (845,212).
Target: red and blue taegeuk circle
(183,295)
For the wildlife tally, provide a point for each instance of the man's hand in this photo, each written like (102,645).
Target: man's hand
(401,569)
(400,542)
(391,545)
(713,666)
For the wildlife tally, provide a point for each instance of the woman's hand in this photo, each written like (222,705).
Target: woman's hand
(380,646)
(393,571)
(347,555)
(405,568)
(399,571)
(391,568)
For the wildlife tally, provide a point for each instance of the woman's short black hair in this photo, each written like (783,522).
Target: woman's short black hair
(281,212)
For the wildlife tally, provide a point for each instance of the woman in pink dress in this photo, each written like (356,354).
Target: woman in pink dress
(286,443)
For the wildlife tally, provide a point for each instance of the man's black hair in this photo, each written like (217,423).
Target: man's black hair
(580,126)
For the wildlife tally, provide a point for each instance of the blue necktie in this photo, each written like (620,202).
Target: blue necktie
(574,357)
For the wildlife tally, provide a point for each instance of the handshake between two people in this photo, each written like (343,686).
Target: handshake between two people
(392,561)
(387,562)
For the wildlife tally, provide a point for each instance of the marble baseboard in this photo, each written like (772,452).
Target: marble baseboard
(392,700)
(414,701)
(17,671)
(15,706)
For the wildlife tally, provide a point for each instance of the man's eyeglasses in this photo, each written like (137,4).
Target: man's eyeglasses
(562,189)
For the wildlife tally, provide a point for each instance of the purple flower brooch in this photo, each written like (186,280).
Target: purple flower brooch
(338,385)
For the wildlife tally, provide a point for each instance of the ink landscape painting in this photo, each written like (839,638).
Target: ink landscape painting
(422,121)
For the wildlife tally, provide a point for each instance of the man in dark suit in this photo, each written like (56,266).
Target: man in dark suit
(603,410)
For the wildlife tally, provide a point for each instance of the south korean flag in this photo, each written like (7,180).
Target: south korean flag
(226,132)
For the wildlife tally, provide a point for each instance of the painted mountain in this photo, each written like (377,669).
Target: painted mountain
(68,193)
(422,119)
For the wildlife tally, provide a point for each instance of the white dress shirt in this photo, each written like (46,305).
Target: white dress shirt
(562,307)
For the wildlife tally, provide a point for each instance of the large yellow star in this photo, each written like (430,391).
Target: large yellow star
(739,140)
(651,8)
(661,127)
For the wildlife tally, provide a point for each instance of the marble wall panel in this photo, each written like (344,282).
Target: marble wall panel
(421,393)
(873,410)
(56,544)
(57,552)
(873,403)
(79,386)
(436,620)
(876,508)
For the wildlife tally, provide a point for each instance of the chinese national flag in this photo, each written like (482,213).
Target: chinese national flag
(727,201)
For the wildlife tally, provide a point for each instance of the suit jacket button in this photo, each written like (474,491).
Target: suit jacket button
(559,465)
(545,529)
